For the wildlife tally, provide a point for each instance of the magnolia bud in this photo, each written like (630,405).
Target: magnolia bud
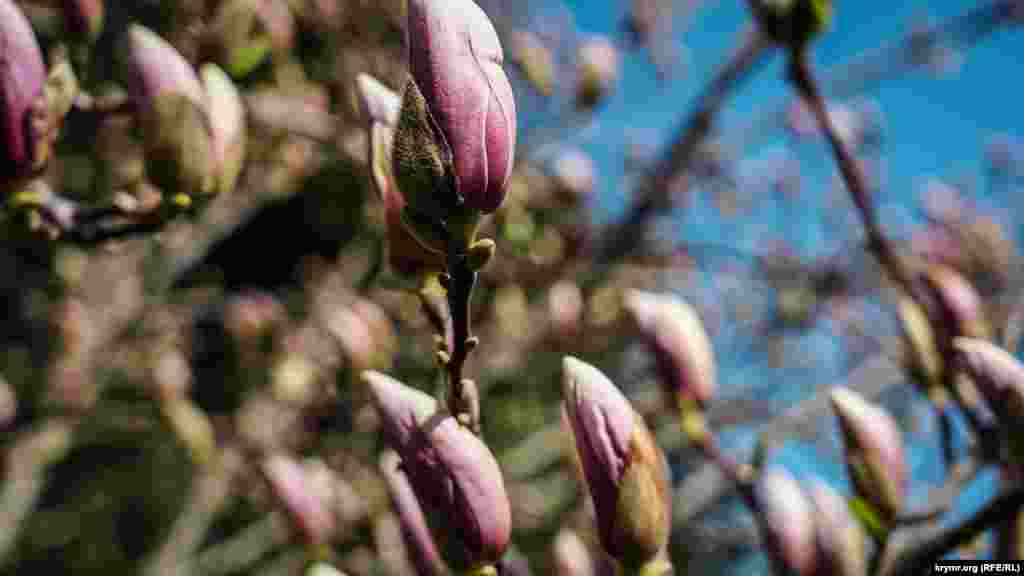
(308,503)
(227,126)
(246,32)
(622,465)
(463,109)
(534,60)
(793,22)
(571,556)
(452,472)
(841,539)
(171,105)
(874,452)
(788,522)
(958,302)
(597,71)
(574,175)
(22,75)
(998,375)
(680,344)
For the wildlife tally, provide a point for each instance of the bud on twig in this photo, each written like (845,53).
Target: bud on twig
(456,137)
(597,71)
(874,452)
(452,472)
(681,346)
(841,540)
(623,467)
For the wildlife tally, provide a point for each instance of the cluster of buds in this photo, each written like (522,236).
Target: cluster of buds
(623,467)
(194,132)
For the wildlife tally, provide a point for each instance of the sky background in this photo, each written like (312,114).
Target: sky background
(936,126)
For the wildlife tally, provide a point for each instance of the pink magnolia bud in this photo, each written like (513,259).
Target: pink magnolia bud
(574,175)
(456,62)
(452,472)
(227,126)
(597,71)
(788,522)
(962,310)
(22,75)
(424,554)
(172,110)
(681,346)
(308,503)
(534,60)
(874,451)
(623,467)
(998,375)
(841,539)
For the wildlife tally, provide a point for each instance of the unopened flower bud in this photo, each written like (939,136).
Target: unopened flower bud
(22,74)
(456,137)
(597,71)
(227,126)
(308,504)
(247,32)
(841,540)
(574,175)
(874,452)
(534,59)
(452,472)
(565,309)
(680,344)
(423,552)
(793,23)
(622,465)
(571,556)
(171,104)
(788,522)
(958,302)
(998,375)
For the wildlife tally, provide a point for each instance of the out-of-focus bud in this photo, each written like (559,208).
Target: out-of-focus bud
(574,175)
(958,302)
(246,32)
(571,556)
(424,554)
(622,465)
(927,362)
(565,309)
(83,18)
(680,344)
(171,106)
(597,71)
(534,59)
(874,452)
(8,404)
(998,375)
(22,74)
(193,427)
(307,503)
(788,525)
(841,540)
(452,472)
(456,137)
(227,126)
(793,22)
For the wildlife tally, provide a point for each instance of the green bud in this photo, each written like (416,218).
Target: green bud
(793,23)
(422,159)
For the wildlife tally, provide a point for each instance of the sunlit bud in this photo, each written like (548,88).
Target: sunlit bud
(456,136)
(681,346)
(841,540)
(998,375)
(83,18)
(565,308)
(423,552)
(534,59)
(574,175)
(171,105)
(452,472)
(308,503)
(874,452)
(793,22)
(958,302)
(22,74)
(919,336)
(227,126)
(622,465)
(597,71)
(788,522)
